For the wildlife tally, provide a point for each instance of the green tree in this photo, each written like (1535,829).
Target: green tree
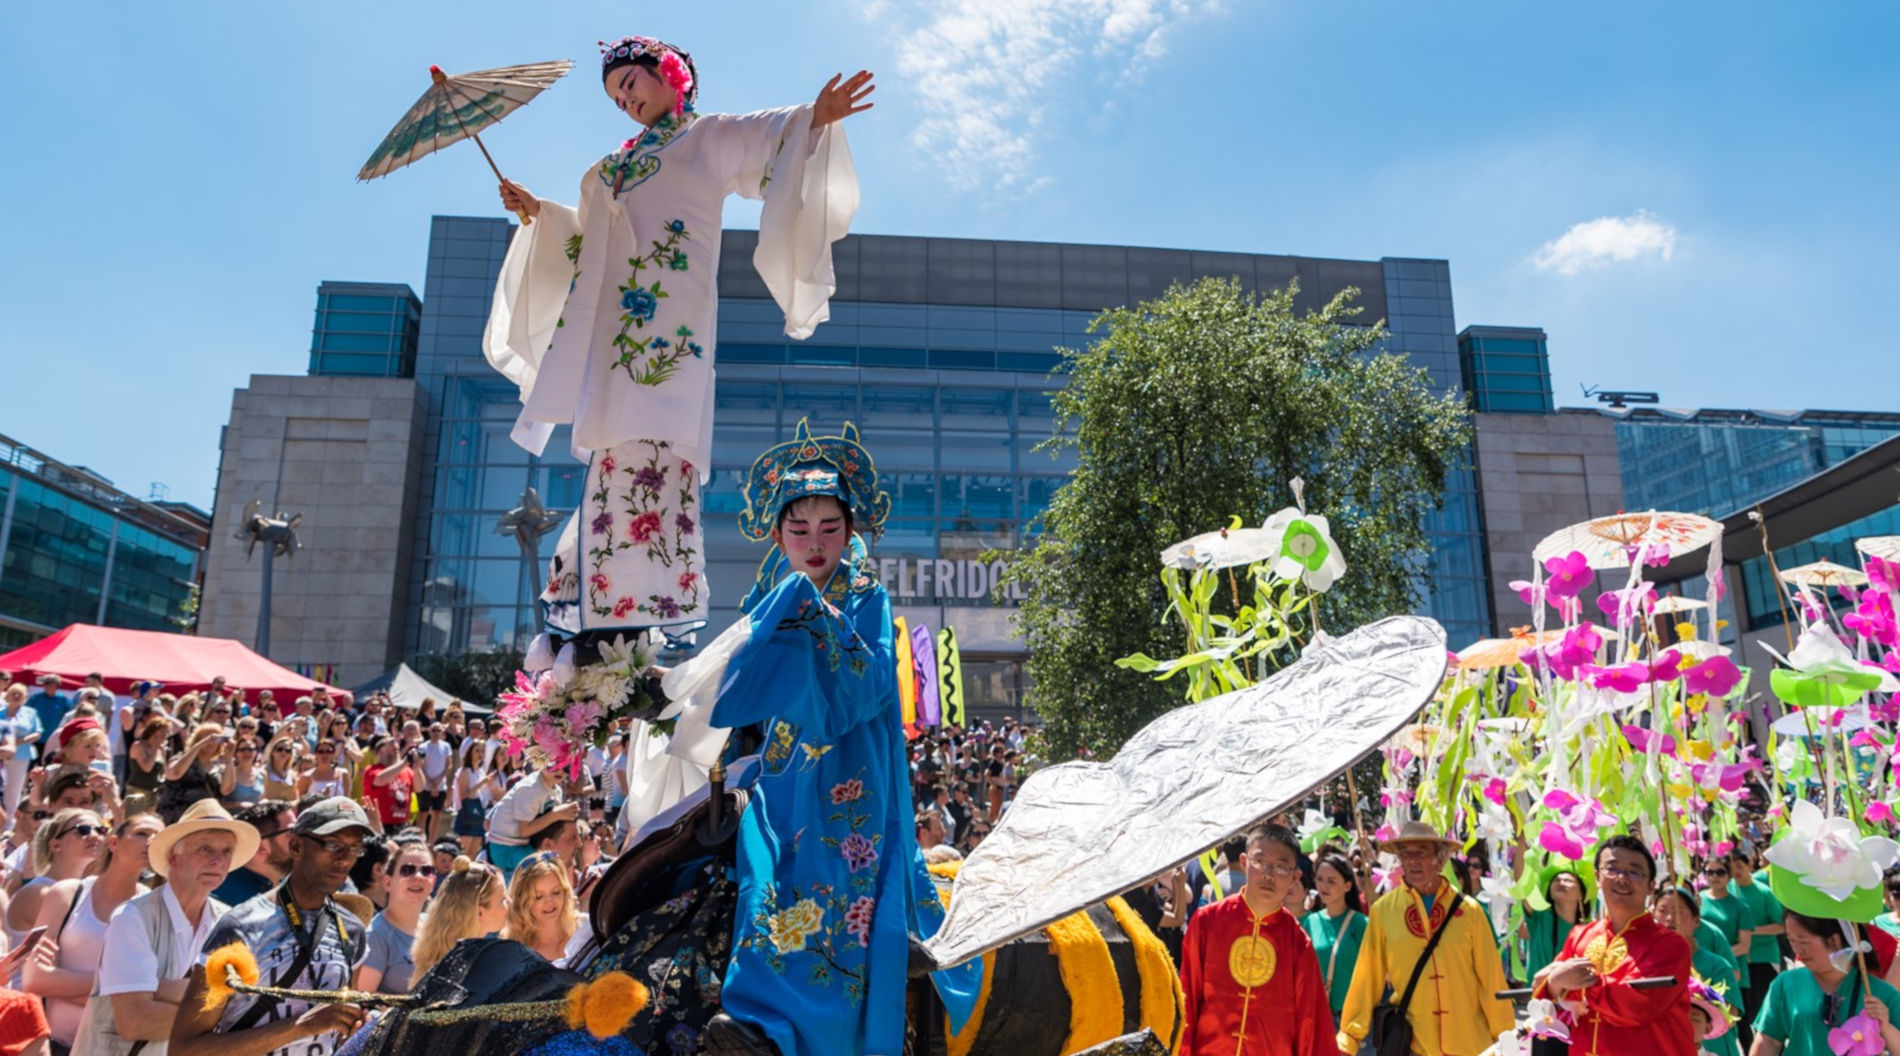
(478,676)
(1189,410)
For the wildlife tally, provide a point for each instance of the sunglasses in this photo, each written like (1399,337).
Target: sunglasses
(1715,872)
(412,869)
(86,830)
(336,848)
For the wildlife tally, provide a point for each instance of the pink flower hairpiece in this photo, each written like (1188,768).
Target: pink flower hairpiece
(677,77)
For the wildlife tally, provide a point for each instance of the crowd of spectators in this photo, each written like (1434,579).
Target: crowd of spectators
(345,843)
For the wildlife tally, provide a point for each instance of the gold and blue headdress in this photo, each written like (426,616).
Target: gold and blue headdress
(808,465)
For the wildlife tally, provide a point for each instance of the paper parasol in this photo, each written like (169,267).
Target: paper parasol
(1487,653)
(1609,542)
(1822,721)
(1223,549)
(457,108)
(1675,603)
(1885,547)
(1824,574)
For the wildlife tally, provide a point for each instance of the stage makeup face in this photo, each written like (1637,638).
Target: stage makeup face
(640,93)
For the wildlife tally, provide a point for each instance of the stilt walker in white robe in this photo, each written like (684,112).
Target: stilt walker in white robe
(606,317)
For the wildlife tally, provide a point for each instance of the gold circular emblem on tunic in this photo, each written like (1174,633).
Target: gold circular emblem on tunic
(1251,960)
(1606,956)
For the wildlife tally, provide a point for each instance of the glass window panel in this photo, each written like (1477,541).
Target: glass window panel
(351,303)
(976,408)
(742,353)
(977,451)
(912,494)
(360,321)
(906,538)
(903,406)
(892,357)
(901,448)
(828,406)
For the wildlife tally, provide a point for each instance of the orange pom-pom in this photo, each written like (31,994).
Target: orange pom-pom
(606,1005)
(225,961)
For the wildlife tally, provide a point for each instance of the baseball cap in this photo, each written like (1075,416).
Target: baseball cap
(331,815)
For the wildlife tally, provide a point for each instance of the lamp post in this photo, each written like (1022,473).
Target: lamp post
(279,536)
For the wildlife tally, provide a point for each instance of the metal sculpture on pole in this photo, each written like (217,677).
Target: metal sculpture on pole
(526,524)
(279,534)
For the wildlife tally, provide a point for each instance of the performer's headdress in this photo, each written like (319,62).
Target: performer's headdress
(676,65)
(808,465)
(803,467)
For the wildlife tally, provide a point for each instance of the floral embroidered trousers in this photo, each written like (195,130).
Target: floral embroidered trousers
(633,555)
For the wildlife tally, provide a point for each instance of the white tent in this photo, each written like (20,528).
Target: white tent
(407,689)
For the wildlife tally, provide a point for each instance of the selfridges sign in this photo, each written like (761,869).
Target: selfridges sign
(945,581)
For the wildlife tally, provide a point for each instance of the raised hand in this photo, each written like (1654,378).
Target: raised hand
(840,100)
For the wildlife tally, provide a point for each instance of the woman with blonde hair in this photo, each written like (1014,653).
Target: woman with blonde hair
(472,902)
(280,769)
(65,848)
(74,913)
(544,916)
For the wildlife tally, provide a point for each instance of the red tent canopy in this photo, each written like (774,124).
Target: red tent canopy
(178,662)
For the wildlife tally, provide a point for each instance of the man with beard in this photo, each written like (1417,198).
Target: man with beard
(273,819)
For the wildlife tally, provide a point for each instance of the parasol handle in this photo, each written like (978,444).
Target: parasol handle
(436,75)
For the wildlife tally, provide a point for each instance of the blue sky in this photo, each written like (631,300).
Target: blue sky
(1693,198)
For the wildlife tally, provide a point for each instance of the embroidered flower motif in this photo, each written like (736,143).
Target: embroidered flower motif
(602,523)
(678,263)
(857,919)
(682,1039)
(859,852)
(639,302)
(791,927)
(847,791)
(678,227)
(600,583)
(686,468)
(644,527)
(652,478)
(684,524)
(623,607)
(666,607)
(607,464)
(687,579)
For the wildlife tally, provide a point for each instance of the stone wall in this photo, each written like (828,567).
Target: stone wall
(1538,473)
(346,453)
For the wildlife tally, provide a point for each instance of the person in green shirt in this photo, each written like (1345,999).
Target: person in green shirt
(1729,914)
(1889,921)
(1804,1004)
(1566,905)
(1337,927)
(1764,909)
(1679,909)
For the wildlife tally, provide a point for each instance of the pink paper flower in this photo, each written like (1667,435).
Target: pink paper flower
(1879,813)
(1642,740)
(1859,1036)
(1494,790)
(1624,605)
(1716,676)
(1569,574)
(1579,820)
(1873,619)
(1883,575)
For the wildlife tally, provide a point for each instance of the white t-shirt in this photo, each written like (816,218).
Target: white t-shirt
(436,757)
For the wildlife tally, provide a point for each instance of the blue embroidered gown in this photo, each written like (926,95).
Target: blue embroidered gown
(830,876)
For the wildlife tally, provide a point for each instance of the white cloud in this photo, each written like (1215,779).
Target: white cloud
(985,71)
(1607,240)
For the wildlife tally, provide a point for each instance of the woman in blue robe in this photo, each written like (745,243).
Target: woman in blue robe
(832,883)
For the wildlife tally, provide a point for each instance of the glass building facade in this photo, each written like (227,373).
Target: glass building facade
(939,349)
(74,549)
(1506,369)
(365,329)
(1717,462)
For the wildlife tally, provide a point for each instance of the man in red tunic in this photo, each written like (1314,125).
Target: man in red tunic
(1591,976)
(1251,983)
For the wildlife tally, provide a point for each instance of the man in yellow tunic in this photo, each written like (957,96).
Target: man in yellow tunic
(1453,1011)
